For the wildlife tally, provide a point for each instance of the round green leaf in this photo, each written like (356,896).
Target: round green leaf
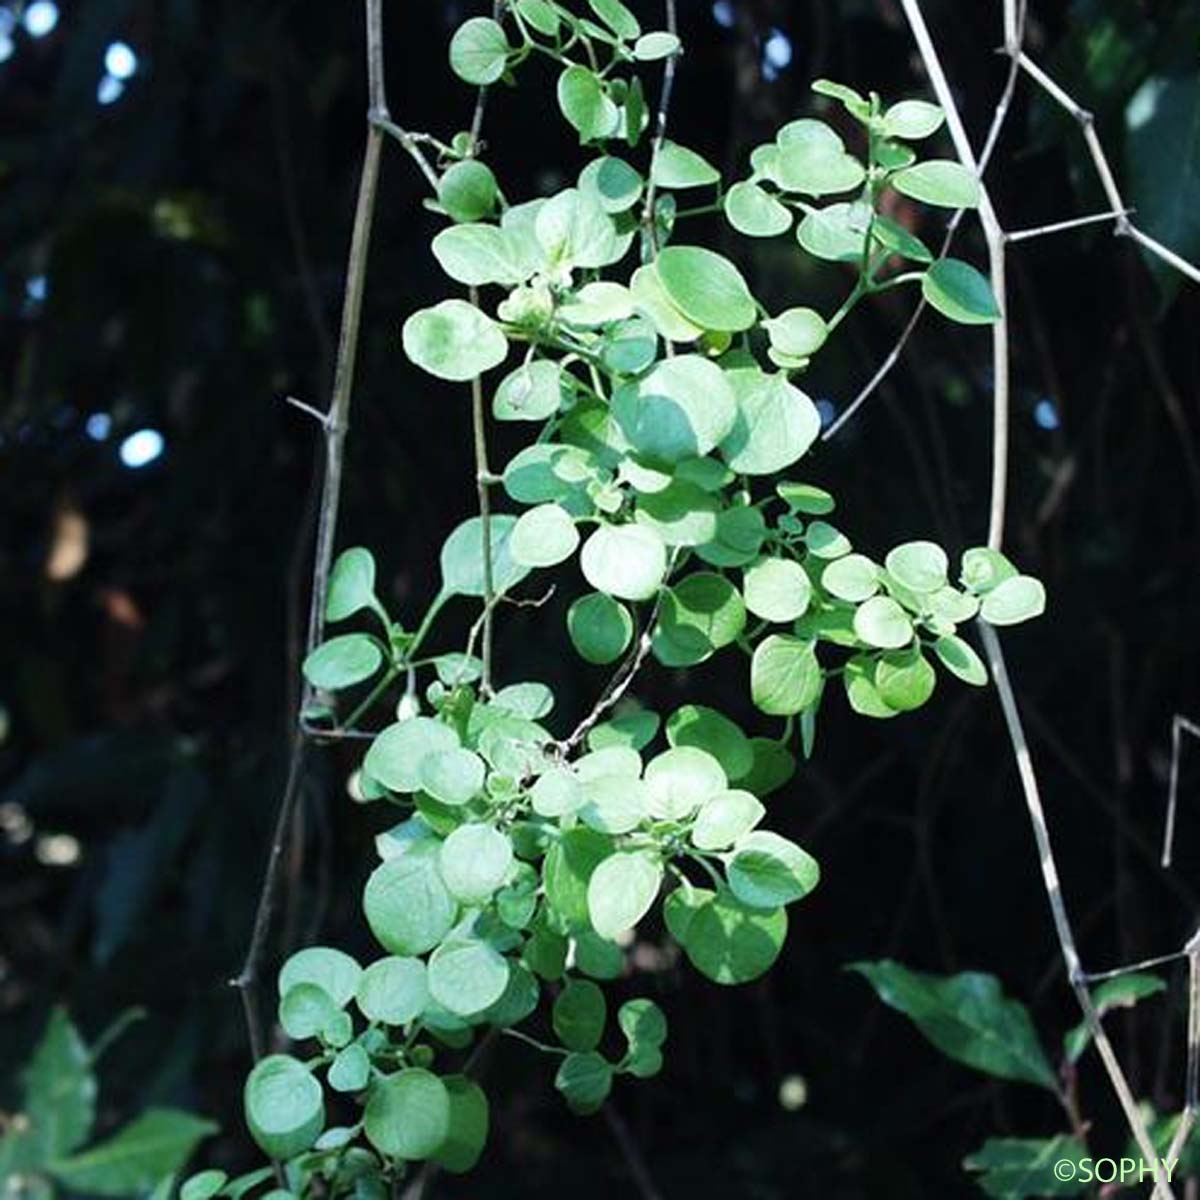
(393,990)
(474,861)
(479,51)
(305,1010)
(395,756)
(285,1109)
(651,298)
(730,942)
(532,392)
(904,681)
(984,569)
(600,628)
(881,622)
(959,658)
(797,332)
(919,566)
(676,166)
(351,584)
(699,615)
(454,340)
(1014,600)
(478,254)
(858,679)
(333,971)
(579,1014)
(621,891)
(614,181)
(912,119)
(543,537)
(776,589)
(343,661)
(652,46)
(467,190)
(755,212)
(407,1114)
(724,818)
(625,561)
(785,677)
(462,558)
(681,779)
(351,1070)
(767,871)
(585,104)
(466,975)
(464,1142)
(711,731)
(836,233)
(774,426)
(614,804)
(938,181)
(585,1081)
(568,868)
(556,793)
(707,288)
(854,578)
(203,1185)
(958,291)
(406,903)
(453,777)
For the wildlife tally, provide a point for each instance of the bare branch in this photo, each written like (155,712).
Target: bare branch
(1179,726)
(660,125)
(1022,235)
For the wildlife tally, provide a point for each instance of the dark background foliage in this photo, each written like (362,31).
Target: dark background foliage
(172,260)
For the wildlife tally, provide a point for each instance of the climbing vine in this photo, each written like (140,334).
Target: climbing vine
(668,430)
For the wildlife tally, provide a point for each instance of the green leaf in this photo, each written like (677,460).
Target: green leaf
(959,658)
(408,1114)
(755,212)
(474,861)
(938,181)
(774,765)
(541,14)
(774,426)
(856,105)
(203,1185)
(958,291)
(462,558)
(893,236)
(136,1158)
(676,166)
(543,537)
(305,1010)
(454,340)
(1122,992)
(597,304)
(479,51)
(853,578)
(351,584)
(333,971)
(699,615)
(633,728)
(393,990)
(682,408)
(768,871)
(805,498)
(531,700)
(905,680)
(726,940)
(776,589)
(912,119)
(60,1092)
(967,1017)
(616,184)
(467,975)
(407,905)
(652,46)
(621,891)
(859,681)
(724,818)
(812,160)
(468,1132)
(1014,600)
(681,779)
(584,102)
(579,1014)
(919,566)
(532,392)
(285,1109)
(625,561)
(836,233)
(396,754)
(600,628)
(567,871)
(707,288)
(785,677)
(881,622)
(682,514)
(706,729)
(467,190)
(478,255)
(350,1071)
(797,332)
(343,661)
(574,230)
(1162,124)
(453,777)
(652,299)
(585,1081)
(1014,1168)
(984,569)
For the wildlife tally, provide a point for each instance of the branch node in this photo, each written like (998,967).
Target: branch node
(317,415)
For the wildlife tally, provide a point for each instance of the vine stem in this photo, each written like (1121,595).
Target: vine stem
(660,125)
(483,477)
(994,236)
(335,423)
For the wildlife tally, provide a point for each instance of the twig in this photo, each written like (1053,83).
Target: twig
(410,142)
(660,128)
(335,424)
(1144,965)
(1179,726)
(1021,235)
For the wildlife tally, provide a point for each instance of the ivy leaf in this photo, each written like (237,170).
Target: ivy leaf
(958,291)
(285,1109)
(467,190)
(393,990)
(724,939)
(454,340)
(136,1158)
(707,288)
(479,51)
(938,181)
(466,975)
(967,1017)
(408,1114)
(600,628)
(625,561)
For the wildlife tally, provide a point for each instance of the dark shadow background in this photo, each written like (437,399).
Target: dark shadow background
(172,261)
